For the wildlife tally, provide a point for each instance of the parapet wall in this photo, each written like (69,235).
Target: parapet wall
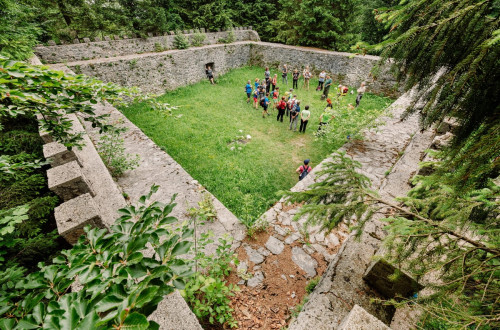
(157,72)
(347,68)
(116,46)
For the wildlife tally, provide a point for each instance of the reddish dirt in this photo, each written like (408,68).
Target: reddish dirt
(269,305)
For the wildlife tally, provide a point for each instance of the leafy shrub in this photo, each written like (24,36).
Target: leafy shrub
(120,285)
(230,38)
(112,151)
(207,292)
(205,210)
(198,39)
(159,47)
(180,41)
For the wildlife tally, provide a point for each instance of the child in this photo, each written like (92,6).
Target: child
(256,98)
(265,103)
(276,94)
(248,90)
(257,83)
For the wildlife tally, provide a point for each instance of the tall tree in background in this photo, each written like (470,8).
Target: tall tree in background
(323,24)
(217,14)
(259,14)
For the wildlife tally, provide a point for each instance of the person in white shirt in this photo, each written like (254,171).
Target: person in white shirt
(361,91)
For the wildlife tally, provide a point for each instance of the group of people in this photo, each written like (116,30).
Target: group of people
(265,93)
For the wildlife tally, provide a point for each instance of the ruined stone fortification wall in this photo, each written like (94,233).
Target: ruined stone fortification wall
(167,70)
(350,69)
(87,50)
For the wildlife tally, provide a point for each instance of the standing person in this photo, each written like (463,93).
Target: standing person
(329,104)
(321,80)
(274,81)
(256,97)
(294,116)
(276,95)
(304,119)
(268,85)
(281,109)
(307,75)
(210,74)
(284,74)
(291,105)
(328,83)
(267,73)
(304,170)
(295,76)
(248,90)
(361,91)
(265,103)
(257,83)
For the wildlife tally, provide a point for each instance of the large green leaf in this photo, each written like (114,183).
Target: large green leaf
(135,321)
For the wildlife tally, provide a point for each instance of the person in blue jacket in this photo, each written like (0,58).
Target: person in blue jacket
(248,90)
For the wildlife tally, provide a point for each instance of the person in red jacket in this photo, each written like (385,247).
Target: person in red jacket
(281,106)
(304,170)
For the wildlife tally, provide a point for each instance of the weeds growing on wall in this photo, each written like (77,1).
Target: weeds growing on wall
(112,151)
(198,39)
(180,41)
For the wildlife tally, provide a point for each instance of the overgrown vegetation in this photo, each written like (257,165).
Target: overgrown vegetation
(121,285)
(213,116)
(181,41)
(198,39)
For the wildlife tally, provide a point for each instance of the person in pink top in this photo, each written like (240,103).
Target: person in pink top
(274,81)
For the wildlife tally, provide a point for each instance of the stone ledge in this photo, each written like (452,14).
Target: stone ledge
(359,319)
(72,216)
(68,181)
(58,154)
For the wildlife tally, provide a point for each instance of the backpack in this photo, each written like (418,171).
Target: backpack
(282,105)
(304,173)
(262,102)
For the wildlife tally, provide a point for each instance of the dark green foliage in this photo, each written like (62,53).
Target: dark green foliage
(120,285)
(317,23)
(341,196)
(181,41)
(18,30)
(450,51)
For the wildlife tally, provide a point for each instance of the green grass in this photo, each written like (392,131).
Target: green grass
(246,180)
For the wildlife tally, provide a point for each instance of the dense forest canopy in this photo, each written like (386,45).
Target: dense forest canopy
(331,24)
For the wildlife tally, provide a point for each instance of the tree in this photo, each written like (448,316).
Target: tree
(454,239)
(450,51)
(323,24)
(18,32)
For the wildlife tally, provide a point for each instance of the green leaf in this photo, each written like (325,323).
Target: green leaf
(135,321)
(108,303)
(182,247)
(146,296)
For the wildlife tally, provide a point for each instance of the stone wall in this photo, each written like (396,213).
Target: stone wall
(112,47)
(350,69)
(157,72)
(169,70)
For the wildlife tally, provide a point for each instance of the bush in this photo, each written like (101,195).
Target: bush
(198,39)
(230,38)
(112,151)
(180,41)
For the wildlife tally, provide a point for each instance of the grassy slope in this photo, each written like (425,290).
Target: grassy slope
(212,116)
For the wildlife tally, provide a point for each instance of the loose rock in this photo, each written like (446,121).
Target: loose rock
(253,255)
(304,261)
(256,280)
(275,245)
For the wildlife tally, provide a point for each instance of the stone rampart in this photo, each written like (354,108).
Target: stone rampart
(168,70)
(349,69)
(116,46)
(157,72)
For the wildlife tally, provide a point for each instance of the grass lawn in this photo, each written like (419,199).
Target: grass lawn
(245,180)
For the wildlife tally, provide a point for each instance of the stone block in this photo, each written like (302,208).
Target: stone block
(359,319)
(173,313)
(86,40)
(447,125)
(150,34)
(116,37)
(97,39)
(304,261)
(72,216)
(68,181)
(51,43)
(76,41)
(58,154)
(46,137)
(275,245)
(107,38)
(124,36)
(172,33)
(377,276)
